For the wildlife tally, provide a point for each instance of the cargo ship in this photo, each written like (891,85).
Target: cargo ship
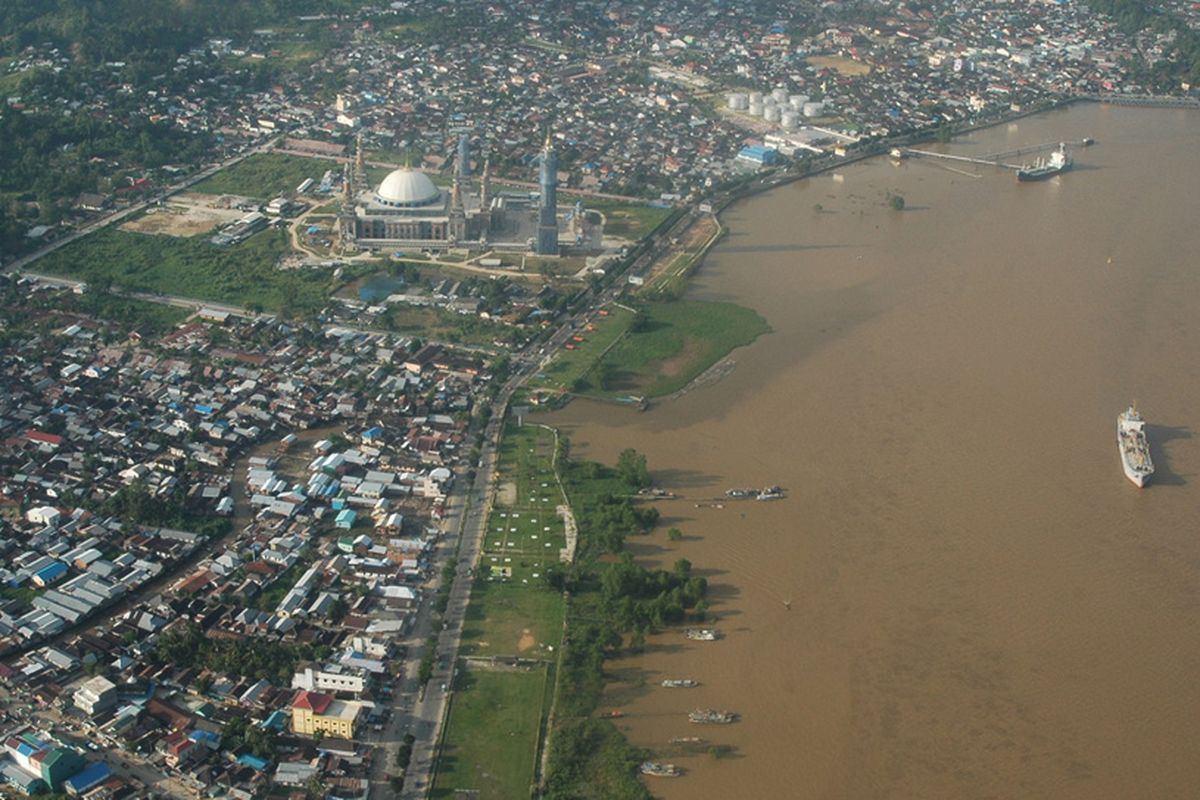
(1133,447)
(1058,163)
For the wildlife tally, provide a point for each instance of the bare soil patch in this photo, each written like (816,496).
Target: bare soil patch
(187,214)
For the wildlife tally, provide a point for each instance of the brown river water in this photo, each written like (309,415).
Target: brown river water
(981,605)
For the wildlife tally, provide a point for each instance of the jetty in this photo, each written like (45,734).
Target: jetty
(995,159)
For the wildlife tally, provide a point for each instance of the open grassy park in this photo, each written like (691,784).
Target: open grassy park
(266,175)
(654,351)
(674,344)
(489,750)
(192,266)
(627,220)
(494,731)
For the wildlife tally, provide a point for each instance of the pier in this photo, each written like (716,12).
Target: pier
(1145,100)
(997,159)
(991,162)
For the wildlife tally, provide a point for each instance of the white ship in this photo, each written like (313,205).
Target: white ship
(660,770)
(680,683)
(1134,449)
(702,634)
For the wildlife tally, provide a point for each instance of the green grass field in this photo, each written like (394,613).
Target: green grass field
(569,371)
(677,342)
(265,175)
(512,620)
(192,267)
(524,531)
(492,738)
(628,220)
(492,734)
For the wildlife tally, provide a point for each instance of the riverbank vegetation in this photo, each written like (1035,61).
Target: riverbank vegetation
(651,351)
(607,598)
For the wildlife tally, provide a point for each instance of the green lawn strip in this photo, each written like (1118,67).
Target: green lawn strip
(266,175)
(492,734)
(500,616)
(570,369)
(193,267)
(677,342)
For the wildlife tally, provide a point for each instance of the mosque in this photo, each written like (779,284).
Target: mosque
(407,211)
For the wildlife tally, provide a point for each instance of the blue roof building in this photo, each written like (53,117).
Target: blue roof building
(92,776)
(758,154)
(49,573)
(254,762)
(345,518)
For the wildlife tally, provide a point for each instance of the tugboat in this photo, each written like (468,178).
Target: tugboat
(702,634)
(680,683)
(708,716)
(660,770)
(1134,449)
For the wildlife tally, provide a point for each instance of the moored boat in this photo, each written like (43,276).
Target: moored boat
(660,770)
(708,716)
(1133,447)
(770,493)
(702,634)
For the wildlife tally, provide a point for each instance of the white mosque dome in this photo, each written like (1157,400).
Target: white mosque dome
(407,187)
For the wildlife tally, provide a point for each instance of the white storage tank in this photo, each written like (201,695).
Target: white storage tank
(771,113)
(788,120)
(756,109)
(813,109)
(780,94)
(738,101)
(797,101)
(755,97)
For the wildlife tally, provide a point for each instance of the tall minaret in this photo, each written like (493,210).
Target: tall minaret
(359,180)
(485,187)
(464,156)
(547,232)
(458,214)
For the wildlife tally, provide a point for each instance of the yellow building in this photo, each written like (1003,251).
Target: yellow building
(313,713)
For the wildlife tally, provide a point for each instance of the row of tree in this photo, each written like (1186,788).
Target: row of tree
(256,658)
